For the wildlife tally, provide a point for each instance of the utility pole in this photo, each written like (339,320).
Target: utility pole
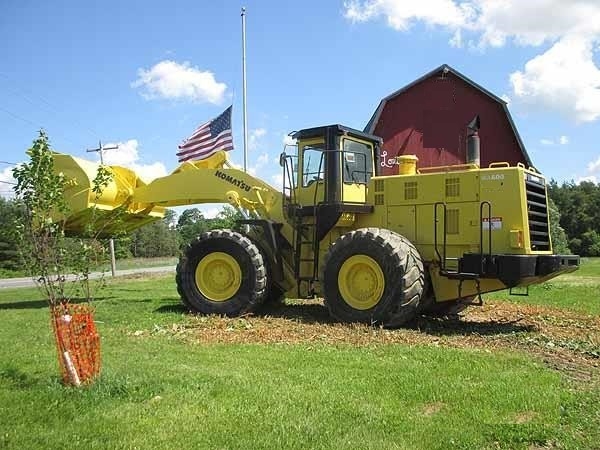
(111,242)
(244,89)
(101,149)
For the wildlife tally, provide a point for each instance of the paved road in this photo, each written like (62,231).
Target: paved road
(26,282)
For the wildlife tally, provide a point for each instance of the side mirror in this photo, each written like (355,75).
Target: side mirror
(282,158)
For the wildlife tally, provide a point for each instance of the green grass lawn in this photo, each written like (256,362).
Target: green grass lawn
(166,384)
(579,290)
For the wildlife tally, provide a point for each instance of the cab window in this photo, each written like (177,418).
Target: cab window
(313,164)
(357,161)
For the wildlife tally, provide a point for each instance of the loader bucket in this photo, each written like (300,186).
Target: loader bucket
(110,212)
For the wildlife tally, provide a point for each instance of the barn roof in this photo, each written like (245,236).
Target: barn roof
(444,69)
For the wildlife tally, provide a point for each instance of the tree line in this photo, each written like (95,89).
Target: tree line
(579,206)
(161,238)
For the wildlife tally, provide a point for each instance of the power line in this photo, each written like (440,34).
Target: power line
(20,118)
(9,163)
(8,182)
(50,106)
(16,116)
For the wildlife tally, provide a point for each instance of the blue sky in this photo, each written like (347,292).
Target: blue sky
(145,74)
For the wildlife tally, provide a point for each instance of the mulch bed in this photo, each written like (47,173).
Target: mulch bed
(564,340)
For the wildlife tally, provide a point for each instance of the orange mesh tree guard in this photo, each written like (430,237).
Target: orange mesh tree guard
(77,341)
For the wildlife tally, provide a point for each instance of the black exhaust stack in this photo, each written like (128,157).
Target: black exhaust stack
(473,142)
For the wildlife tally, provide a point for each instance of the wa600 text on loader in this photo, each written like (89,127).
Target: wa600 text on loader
(378,249)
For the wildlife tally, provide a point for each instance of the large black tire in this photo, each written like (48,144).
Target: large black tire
(275,295)
(373,276)
(232,282)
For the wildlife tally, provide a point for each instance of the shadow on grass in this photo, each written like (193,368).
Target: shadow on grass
(37,304)
(176,308)
(17,377)
(311,313)
(460,326)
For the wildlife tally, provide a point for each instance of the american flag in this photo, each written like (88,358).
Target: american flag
(208,138)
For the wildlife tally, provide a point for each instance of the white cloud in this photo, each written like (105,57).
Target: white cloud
(506,98)
(127,156)
(7,183)
(171,80)
(254,138)
(591,179)
(492,22)
(535,21)
(277,181)
(260,162)
(593,172)
(259,132)
(401,15)
(562,140)
(594,166)
(564,78)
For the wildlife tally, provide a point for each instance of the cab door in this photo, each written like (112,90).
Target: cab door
(311,172)
(357,169)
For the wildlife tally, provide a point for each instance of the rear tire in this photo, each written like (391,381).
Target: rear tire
(373,276)
(222,272)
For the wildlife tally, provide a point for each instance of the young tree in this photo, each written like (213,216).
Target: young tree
(39,191)
(60,266)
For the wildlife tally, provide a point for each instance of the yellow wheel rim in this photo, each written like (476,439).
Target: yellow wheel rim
(218,276)
(361,282)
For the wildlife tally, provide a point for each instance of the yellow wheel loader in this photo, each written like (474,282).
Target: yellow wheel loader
(378,249)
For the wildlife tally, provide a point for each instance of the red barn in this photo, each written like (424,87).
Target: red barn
(429,118)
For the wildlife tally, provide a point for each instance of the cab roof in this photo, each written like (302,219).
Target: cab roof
(308,133)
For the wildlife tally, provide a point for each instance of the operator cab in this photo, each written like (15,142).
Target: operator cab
(333,168)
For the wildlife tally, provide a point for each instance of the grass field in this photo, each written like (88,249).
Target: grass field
(520,372)
(578,291)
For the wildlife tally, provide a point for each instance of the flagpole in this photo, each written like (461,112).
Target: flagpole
(244,88)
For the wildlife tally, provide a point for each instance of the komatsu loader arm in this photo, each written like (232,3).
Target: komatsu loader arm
(127,202)
(212,181)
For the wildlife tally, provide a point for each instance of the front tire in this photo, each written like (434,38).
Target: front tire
(222,272)
(373,276)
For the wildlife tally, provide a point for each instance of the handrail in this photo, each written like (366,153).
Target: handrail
(499,164)
(489,210)
(455,168)
(435,234)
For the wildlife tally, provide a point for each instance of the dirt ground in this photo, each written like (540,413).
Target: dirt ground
(566,341)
